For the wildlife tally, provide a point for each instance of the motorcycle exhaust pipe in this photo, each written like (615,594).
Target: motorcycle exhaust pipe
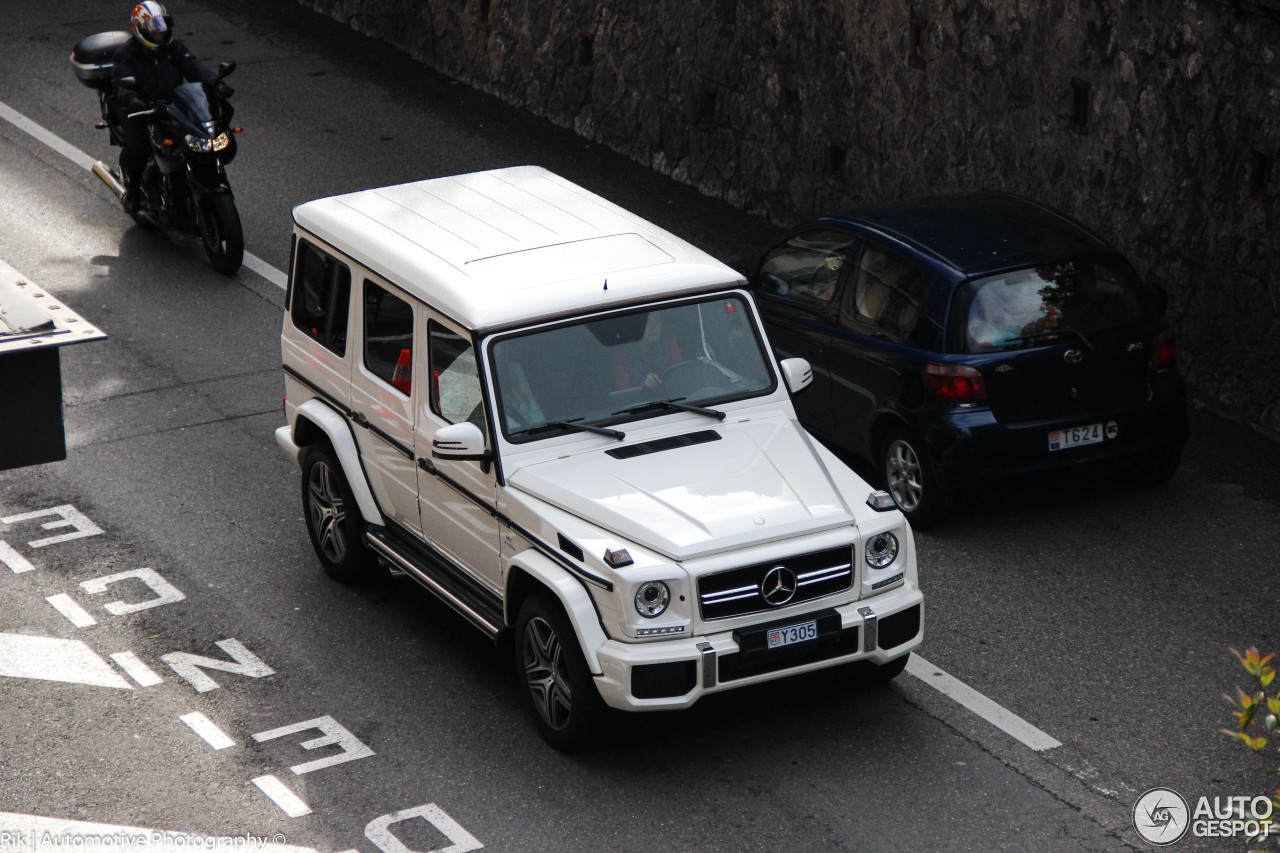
(108,177)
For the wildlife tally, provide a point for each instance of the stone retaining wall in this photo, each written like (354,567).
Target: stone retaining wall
(1156,122)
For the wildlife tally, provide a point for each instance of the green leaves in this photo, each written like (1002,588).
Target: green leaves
(1257,708)
(1256,665)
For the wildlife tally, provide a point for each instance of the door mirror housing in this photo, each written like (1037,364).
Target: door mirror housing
(797,372)
(462,442)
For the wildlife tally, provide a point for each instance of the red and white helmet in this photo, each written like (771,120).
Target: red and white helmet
(152,25)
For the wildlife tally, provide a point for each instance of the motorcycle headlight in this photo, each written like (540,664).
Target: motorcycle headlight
(882,549)
(652,598)
(197,143)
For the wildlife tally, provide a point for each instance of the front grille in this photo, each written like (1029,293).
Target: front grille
(733,667)
(738,592)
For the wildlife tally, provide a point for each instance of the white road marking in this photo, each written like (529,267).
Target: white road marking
(289,802)
(72,153)
(379,830)
(166,593)
(51,659)
(335,735)
(190,667)
(136,669)
(1002,718)
(75,614)
(70,517)
(207,729)
(32,834)
(15,561)
(84,161)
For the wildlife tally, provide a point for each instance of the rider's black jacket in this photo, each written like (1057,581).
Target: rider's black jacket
(155,75)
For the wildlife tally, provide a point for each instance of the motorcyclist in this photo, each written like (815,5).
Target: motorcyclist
(144,75)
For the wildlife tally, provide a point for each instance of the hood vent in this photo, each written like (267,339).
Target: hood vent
(658,445)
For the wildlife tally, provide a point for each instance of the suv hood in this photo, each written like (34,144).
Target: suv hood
(758,481)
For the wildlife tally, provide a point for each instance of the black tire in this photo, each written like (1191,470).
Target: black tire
(1156,467)
(907,474)
(333,519)
(868,674)
(566,705)
(220,232)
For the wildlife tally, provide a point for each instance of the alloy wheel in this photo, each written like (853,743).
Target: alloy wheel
(328,512)
(905,475)
(545,673)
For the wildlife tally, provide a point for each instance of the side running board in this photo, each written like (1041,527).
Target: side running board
(478,605)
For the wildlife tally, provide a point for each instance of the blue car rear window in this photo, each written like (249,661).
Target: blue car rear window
(1042,305)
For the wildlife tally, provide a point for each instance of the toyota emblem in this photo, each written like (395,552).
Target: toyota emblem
(778,586)
(1073,356)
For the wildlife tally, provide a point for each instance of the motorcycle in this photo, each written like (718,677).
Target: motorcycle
(184,184)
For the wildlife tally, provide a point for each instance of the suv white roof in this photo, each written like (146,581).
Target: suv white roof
(507,246)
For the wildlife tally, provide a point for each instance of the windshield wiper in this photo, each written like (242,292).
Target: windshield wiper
(673,403)
(1024,341)
(570,425)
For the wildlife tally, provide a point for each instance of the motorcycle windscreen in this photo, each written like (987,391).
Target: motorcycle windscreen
(194,104)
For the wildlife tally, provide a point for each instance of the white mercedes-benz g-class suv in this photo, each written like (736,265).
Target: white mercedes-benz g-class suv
(567,424)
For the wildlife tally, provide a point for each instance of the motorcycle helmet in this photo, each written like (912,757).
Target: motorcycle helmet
(152,25)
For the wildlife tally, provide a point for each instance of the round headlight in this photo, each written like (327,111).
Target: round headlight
(652,598)
(882,549)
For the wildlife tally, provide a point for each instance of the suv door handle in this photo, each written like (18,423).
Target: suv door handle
(360,419)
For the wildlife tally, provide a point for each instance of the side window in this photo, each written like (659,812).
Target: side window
(321,295)
(456,395)
(807,267)
(886,295)
(388,337)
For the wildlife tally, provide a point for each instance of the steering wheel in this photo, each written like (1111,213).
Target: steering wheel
(680,366)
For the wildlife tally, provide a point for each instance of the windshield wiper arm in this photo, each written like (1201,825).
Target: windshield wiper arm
(571,425)
(673,403)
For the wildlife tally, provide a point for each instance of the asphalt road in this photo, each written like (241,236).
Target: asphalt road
(1097,611)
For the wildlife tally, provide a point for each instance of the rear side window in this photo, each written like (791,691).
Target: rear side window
(321,297)
(886,295)
(806,268)
(1044,305)
(388,337)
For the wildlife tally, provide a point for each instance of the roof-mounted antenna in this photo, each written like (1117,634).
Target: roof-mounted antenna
(606,284)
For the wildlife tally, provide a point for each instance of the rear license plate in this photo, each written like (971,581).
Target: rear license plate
(1061,439)
(792,634)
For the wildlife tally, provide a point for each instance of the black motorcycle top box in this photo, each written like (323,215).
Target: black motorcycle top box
(91,57)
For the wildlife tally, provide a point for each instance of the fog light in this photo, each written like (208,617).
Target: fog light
(882,549)
(652,598)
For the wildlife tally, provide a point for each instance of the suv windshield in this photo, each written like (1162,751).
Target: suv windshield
(1044,305)
(627,366)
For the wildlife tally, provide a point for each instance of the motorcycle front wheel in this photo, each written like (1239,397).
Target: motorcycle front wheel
(220,232)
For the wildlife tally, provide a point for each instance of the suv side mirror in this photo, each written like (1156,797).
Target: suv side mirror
(797,373)
(462,441)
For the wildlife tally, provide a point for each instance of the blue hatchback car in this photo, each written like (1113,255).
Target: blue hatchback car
(966,338)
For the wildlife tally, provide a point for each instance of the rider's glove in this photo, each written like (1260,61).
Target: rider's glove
(224,91)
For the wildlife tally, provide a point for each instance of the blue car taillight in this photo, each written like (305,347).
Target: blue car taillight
(956,383)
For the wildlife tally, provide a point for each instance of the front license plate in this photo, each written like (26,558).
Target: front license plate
(1061,439)
(790,634)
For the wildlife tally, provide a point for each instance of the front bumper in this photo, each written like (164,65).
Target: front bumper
(676,673)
